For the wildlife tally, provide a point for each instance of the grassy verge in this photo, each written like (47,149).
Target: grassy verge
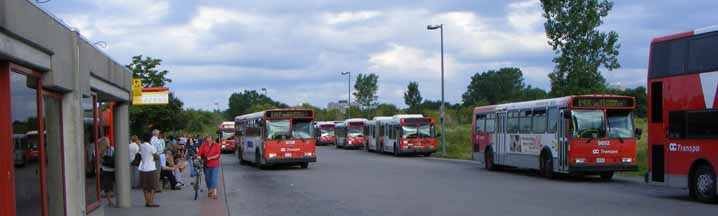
(458,139)
(641,149)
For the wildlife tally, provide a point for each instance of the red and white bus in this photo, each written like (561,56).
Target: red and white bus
(350,133)
(225,135)
(276,137)
(325,133)
(683,119)
(375,133)
(587,134)
(411,134)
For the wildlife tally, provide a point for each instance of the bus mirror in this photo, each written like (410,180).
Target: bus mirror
(638,133)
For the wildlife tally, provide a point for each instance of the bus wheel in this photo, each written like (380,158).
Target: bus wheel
(489,159)
(547,166)
(703,184)
(304,165)
(606,176)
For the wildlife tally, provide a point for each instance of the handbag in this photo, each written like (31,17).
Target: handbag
(137,160)
(108,159)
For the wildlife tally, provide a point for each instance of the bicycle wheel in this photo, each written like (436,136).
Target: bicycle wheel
(196,186)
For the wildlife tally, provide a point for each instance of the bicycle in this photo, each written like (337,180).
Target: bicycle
(198,166)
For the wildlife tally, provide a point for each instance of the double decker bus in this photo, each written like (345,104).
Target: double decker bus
(584,135)
(276,137)
(351,133)
(225,135)
(682,114)
(375,133)
(411,134)
(325,133)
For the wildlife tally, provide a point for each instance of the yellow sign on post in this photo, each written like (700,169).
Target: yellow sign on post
(136,87)
(152,96)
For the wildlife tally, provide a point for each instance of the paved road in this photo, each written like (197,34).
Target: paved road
(355,182)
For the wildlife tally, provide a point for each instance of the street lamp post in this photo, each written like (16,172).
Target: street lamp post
(349,93)
(441,115)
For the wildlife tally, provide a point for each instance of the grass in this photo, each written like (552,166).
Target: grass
(641,149)
(459,145)
(458,139)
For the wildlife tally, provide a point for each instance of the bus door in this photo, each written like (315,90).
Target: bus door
(500,138)
(562,139)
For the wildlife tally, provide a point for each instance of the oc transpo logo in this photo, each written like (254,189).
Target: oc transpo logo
(674,147)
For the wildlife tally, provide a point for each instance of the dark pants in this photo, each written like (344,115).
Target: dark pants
(170,176)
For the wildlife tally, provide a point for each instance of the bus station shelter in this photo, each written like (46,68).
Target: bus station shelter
(59,94)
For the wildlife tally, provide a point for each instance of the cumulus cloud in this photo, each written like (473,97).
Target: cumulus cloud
(297,49)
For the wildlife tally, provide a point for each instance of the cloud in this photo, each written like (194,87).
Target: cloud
(403,62)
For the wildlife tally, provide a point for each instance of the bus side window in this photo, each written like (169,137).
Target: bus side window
(480,121)
(525,121)
(539,121)
(513,122)
(490,122)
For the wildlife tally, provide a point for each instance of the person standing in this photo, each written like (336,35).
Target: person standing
(107,168)
(134,173)
(210,153)
(192,148)
(147,169)
(159,145)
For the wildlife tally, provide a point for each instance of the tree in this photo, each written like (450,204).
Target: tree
(572,29)
(146,69)
(163,117)
(531,93)
(504,85)
(248,102)
(386,110)
(366,87)
(412,97)
(641,99)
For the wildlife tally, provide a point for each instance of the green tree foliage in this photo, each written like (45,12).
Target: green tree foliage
(365,90)
(572,29)
(146,69)
(163,117)
(145,118)
(641,99)
(531,93)
(248,102)
(386,110)
(412,97)
(200,121)
(504,85)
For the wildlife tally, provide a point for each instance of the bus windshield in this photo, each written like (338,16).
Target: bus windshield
(588,123)
(277,129)
(302,129)
(355,131)
(620,124)
(412,131)
(326,132)
(224,135)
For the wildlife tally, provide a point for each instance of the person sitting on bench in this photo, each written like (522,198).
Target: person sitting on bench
(168,167)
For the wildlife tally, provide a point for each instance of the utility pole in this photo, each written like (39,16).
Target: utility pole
(349,93)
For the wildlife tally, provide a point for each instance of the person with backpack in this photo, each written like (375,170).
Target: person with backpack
(107,168)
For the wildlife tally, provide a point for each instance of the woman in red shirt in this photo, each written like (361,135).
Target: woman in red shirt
(210,152)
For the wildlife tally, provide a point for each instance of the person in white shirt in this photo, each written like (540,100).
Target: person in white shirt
(159,145)
(134,173)
(147,169)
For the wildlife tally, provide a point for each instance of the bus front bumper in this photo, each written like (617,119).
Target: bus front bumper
(603,167)
(292,160)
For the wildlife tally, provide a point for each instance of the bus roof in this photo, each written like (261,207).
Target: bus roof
(400,116)
(561,102)
(356,120)
(262,114)
(685,34)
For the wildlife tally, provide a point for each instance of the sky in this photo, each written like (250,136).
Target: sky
(297,49)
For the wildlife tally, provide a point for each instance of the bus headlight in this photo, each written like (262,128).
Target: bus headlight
(272,155)
(308,154)
(580,160)
(627,160)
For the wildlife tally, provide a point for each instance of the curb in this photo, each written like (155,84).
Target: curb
(453,160)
